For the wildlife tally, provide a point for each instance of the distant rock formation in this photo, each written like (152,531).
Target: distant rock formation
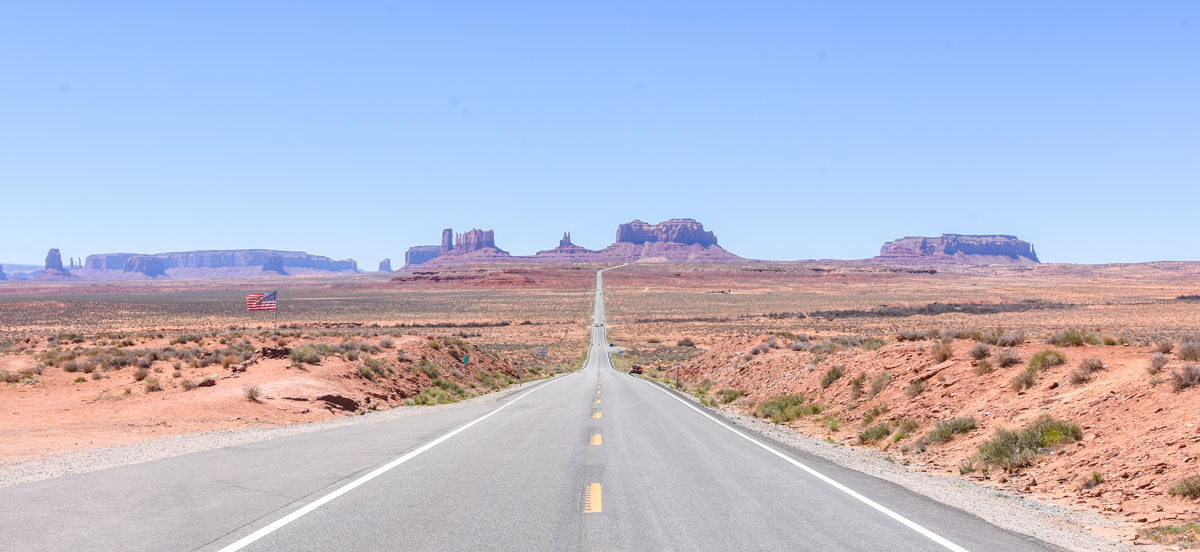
(959,248)
(54,267)
(682,231)
(54,260)
(447,240)
(3,276)
(418,254)
(385,265)
(273,263)
(675,240)
(145,264)
(566,252)
(228,258)
(476,240)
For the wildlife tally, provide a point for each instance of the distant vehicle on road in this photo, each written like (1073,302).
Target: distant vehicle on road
(635,369)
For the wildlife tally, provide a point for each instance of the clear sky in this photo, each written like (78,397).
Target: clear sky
(793,129)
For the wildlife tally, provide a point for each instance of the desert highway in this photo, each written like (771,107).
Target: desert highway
(592,460)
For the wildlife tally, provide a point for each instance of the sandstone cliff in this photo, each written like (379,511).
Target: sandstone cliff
(680,231)
(385,265)
(959,248)
(145,264)
(3,276)
(418,254)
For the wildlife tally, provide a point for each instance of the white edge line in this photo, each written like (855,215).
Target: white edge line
(276,525)
(854,494)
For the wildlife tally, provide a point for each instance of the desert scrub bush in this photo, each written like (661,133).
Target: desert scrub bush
(433,344)
(942,351)
(905,429)
(305,354)
(1073,338)
(771,342)
(433,395)
(875,412)
(726,396)
(654,340)
(152,385)
(831,375)
(874,433)
(1158,361)
(1086,370)
(1007,357)
(983,367)
(786,408)
(945,431)
(450,387)
(872,343)
(1010,339)
(1189,351)
(980,351)
(1011,450)
(910,335)
(140,373)
(856,386)
(1164,347)
(1043,360)
(825,348)
(1188,487)
(965,334)
(1186,376)
(428,368)
(798,346)
(252,392)
(1091,481)
(387,343)
(914,388)
(1024,379)
(879,382)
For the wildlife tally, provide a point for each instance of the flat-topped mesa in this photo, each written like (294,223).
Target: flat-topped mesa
(447,240)
(214,263)
(683,231)
(960,248)
(385,265)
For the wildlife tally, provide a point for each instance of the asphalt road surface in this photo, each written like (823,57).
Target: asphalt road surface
(593,460)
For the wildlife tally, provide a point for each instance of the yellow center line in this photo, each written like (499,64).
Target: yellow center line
(597,414)
(592,503)
(597,401)
(597,440)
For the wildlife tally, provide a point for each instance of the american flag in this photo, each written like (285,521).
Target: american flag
(260,301)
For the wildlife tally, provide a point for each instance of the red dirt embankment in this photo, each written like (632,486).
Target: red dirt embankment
(1139,434)
(57,410)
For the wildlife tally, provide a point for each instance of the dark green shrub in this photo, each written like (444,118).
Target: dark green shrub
(945,431)
(1043,360)
(874,433)
(980,351)
(786,408)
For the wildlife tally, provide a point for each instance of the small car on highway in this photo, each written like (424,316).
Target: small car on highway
(635,369)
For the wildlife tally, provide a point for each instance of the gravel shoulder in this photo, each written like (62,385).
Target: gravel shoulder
(1074,530)
(90,460)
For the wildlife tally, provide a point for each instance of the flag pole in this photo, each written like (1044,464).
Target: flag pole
(277,316)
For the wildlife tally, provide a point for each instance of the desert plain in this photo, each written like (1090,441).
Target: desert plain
(1071,384)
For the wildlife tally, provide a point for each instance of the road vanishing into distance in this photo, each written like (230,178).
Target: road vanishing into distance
(591,460)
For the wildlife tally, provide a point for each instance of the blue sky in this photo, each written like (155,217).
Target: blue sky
(793,130)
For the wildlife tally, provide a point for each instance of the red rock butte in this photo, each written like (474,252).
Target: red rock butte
(675,240)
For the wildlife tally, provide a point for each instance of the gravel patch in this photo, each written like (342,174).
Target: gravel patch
(1054,524)
(90,460)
